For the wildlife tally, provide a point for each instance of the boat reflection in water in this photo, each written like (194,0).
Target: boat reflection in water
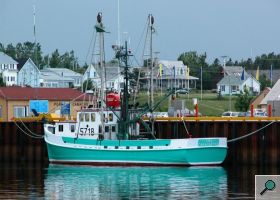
(87,182)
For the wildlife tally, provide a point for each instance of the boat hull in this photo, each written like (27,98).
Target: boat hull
(78,153)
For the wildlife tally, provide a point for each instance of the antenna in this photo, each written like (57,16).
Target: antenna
(34,34)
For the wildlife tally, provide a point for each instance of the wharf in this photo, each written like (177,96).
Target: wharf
(261,148)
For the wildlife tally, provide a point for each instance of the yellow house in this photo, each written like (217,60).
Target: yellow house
(18,101)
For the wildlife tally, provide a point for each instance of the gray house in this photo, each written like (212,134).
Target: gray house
(28,74)
(65,74)
(235,80)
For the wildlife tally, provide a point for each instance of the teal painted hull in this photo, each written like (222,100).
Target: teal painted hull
(193,156)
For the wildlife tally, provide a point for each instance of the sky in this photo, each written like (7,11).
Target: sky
(235,28)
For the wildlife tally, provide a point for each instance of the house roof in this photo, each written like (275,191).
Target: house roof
(28,93)
(274,93)
(256,101)
(50,76)
(63,72)
(5,59)
(233,80)
(22,62)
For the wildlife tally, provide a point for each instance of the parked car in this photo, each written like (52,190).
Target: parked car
(244,114)
(230,114)
(182,91)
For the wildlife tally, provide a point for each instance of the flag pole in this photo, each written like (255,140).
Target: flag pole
(271,75)
(201,83)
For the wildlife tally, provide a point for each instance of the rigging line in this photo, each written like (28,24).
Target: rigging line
(36,137)
(249,134)
(142,34)
(90,45)
(147,32)
(28,129)
(70,102)
(182,118)
(86,86)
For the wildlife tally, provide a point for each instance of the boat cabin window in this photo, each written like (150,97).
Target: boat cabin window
(82,117)
(72,127)
(93,117)
(110,117)
(60,128)
(100,129)
(87,117)
(106,129)
(113,129)
(105,119)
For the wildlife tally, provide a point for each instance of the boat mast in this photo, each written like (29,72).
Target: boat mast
(151,22)
(100,29)
(122,55)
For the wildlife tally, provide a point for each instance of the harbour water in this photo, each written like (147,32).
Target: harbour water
(19,181)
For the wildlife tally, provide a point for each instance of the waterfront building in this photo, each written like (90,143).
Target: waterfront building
(256,102)
(168,75)
(59,78)
(28,74)
(18,101)
(235,80)
(113,77)
(273,95)
(8,69)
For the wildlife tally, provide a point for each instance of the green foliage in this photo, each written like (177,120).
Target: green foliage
(243,101)
(88,85)
(264,81)
(23,51)
(2,83)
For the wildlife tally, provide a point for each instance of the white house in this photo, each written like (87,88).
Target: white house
(174,74)
(273,95)
(234,82)
(28,74)
(113,79)
(8,69)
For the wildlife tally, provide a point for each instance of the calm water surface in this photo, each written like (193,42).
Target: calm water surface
(87,182)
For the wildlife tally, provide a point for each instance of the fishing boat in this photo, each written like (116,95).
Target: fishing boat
(110,134)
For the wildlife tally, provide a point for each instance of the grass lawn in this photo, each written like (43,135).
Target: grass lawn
(210,105)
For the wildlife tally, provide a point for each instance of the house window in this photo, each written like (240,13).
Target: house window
(13,78)
(233,88)
(222,88)
(20,111)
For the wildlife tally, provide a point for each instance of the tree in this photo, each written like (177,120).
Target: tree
(2,83)
(55,59)
(264,81)
(87,85)
(243,101)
